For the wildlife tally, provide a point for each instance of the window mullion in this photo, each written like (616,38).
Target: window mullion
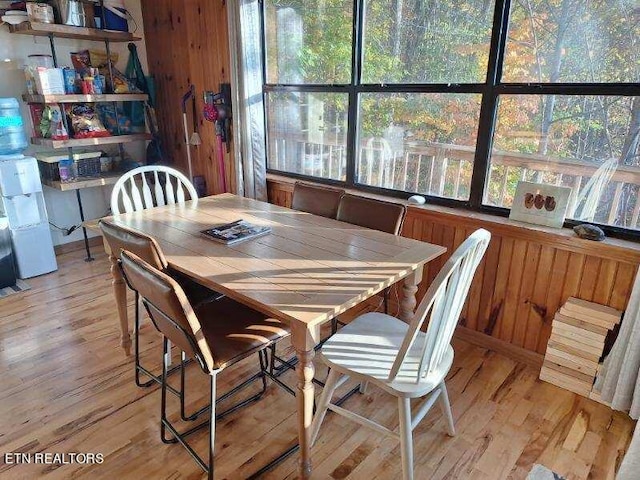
(489,107)
(356,74)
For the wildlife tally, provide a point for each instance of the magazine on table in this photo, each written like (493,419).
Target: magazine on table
(235,232)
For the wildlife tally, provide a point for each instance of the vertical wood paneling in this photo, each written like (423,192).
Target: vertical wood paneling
(529,275)
(512,294)
(537,301)
(606,280)
(589,278)
(622,286)
(187,43)
(521,283)
(491,259)
(556,296)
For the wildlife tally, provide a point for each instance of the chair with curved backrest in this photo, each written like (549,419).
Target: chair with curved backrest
(323,201)
(168,184)
(402,359)
(216,334)
(371,213)
(120,238)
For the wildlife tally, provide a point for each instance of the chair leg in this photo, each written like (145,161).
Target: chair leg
(212,426)
(406,438)
(136,345)
(163,396)
(325,399)
(334,326)
(445,405)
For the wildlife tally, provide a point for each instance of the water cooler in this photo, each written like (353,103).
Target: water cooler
(22,202)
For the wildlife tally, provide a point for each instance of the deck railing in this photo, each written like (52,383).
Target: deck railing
(445,170)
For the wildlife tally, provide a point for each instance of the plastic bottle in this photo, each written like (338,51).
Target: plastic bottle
(12,137)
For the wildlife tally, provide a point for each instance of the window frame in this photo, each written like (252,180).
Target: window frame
(490,90)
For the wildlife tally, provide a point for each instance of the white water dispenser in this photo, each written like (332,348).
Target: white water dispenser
(22,202)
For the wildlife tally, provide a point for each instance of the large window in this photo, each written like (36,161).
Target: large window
(459,100)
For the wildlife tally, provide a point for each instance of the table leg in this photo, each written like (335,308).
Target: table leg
(304,340)
(120,294)
(409,290)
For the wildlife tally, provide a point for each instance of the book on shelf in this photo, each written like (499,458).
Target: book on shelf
(235,232)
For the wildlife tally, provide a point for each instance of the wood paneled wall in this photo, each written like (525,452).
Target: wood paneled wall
(187,43)
(526,275)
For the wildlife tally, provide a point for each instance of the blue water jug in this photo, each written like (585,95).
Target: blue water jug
(12,136)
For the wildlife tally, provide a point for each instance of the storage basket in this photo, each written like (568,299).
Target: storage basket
(84,165)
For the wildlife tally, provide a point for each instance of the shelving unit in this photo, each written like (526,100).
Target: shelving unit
(82,183)
(91,142)
(108,97)
(53,31)
(77,33)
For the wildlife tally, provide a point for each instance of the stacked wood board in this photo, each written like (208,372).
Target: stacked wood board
(575,348)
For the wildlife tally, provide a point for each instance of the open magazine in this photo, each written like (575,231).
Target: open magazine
(235,232)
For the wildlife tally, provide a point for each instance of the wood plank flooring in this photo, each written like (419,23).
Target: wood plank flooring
(67,387)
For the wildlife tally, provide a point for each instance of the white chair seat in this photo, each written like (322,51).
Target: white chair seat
(367,348)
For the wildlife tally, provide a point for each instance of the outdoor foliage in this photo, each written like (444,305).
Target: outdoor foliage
(435,42)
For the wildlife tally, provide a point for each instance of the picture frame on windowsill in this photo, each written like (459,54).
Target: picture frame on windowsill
(540,204)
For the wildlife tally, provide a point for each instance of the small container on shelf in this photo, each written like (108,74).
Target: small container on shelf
(115,16)
(106,164)
(70,86)
(40,12)
(49,81)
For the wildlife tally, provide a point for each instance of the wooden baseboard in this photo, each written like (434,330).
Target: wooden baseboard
(94,242)
(514,352)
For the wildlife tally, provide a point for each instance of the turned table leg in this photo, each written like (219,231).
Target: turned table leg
(120,294)
(409,290)
(304,341)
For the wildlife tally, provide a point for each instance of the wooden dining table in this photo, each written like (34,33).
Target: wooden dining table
(308,270)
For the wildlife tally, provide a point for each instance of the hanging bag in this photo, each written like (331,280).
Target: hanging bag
(136,110)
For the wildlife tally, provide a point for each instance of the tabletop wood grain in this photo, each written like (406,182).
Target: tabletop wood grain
(308,268)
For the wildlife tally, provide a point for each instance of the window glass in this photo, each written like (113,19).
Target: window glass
(308,41)
(418,142)
(588,143)
(583,41)
(418,41)
(306,133)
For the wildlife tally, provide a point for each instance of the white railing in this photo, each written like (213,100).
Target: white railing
(445,170)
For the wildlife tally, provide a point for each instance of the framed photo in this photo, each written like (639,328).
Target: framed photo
(540,204)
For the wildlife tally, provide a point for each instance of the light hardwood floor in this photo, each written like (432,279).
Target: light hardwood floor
(67,387)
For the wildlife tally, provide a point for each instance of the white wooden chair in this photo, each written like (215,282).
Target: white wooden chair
(169,191)
(400,358)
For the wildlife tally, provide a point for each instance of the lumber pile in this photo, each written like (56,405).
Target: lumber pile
(575,348)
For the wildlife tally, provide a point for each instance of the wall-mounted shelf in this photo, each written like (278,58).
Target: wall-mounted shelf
(83,183)
(65,31)
(88,142)
(122,97)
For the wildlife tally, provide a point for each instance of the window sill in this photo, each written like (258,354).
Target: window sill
(612,248)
